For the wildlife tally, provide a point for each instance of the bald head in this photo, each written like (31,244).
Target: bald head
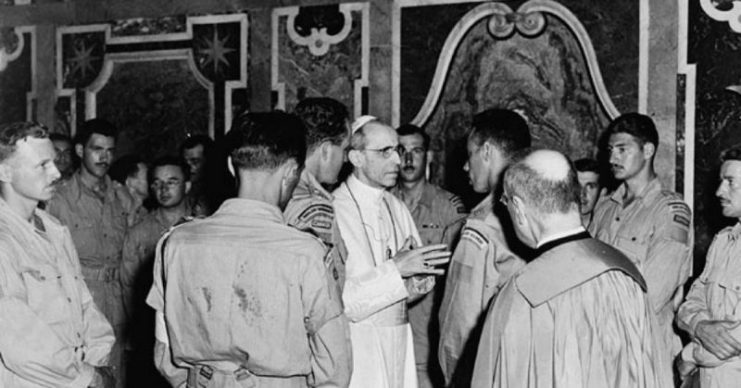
(545,181)
(551,165)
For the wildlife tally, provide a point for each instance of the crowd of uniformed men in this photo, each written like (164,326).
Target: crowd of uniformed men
(119,273)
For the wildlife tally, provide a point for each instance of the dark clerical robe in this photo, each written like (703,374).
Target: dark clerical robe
(576,316)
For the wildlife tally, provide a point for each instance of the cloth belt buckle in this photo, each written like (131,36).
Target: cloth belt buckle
(203,374)
(110,274)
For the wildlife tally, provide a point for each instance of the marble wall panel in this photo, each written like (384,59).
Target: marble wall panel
(159,80)
(307,70)
(612,27)
(155,104)
(148,26)
(545,78)
(15,75)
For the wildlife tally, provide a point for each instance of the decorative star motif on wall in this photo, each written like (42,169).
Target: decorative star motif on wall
(82,60)
(215,51)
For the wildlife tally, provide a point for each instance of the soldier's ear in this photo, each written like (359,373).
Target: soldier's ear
(188,185)
(78,150)
(649,149)
(6,173)
(291,170)
(326,149)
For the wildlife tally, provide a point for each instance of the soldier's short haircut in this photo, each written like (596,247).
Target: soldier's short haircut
(503,128)
(543,194)
(587,165)
(325,119)
(733,153)
(195,141)
(265,140)
(170,160)
(88,128)
(11,134)
(411,129)
(125,167)
(637,125)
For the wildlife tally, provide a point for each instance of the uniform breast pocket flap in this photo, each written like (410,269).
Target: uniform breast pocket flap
(731,285)
(632,247)
(42,286)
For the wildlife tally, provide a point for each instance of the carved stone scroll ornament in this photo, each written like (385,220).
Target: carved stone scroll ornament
(11,46)
(528,20)
(724,11)
(503,25)
(319,27)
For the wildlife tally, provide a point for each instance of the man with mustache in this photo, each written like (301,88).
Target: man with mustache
(439,216)
(710,315)
(483,260)
(51,332)
(650,225)
(96,210)
(385,266)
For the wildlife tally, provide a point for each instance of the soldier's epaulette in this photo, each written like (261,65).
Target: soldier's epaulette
(317,209)
(306,230)
(457,202)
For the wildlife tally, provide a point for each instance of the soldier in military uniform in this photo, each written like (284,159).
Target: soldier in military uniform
(439,216)
(483,261)
(650,225)
(310,209)
(170,185)
(96,209)
(243,299)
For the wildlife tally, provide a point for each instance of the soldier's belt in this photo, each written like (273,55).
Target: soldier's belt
(205,376)
(104,274)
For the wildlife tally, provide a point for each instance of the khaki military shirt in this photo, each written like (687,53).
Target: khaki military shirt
(310,209)
(655,232)
(242,290)
(97,223)
(138,256)
(439,216)
(51,332)
(716,295)
(482,263)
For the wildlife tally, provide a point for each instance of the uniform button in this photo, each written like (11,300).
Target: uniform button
(617,218)
(632,239)
(69,300)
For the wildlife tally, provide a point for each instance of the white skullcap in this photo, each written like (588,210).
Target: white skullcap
(361,121)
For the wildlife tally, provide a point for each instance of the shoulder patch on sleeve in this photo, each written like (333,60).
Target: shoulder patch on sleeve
(679,207)
(680,221)
(318,209)
(458,204)
(475,237)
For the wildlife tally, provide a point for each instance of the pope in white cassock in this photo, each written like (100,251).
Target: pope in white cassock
(385,267)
